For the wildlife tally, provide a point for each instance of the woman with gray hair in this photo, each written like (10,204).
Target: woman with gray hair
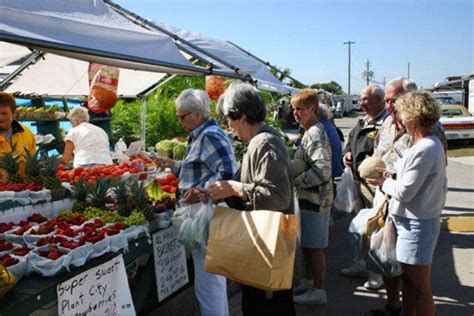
(88,143)
(263,181)
(418,195)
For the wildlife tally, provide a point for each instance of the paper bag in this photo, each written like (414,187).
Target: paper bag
(254,248)
(375,222)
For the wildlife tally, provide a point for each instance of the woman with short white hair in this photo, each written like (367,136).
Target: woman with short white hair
(88,143)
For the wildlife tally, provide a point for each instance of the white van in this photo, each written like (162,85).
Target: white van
(449,97)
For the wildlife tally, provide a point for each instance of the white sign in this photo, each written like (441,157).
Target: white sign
(102,290)
(170,263)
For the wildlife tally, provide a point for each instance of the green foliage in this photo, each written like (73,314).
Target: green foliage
(161,119)
(331,86)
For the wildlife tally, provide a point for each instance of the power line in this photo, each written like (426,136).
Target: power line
(349,68)
(367,74)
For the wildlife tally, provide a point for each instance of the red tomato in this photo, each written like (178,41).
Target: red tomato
(167,188)
(78,171)
(163,181)
(171,177)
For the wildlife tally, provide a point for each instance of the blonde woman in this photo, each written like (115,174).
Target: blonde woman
(418,194)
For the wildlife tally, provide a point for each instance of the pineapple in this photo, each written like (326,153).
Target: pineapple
(122,200)
(32,165)
(99,193)
(80,191)
(11,165)
(140,200)
(50,179)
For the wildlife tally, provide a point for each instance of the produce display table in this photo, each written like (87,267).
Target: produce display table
(34,292)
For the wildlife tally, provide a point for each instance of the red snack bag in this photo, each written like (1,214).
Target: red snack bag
(215,86)
(103,82)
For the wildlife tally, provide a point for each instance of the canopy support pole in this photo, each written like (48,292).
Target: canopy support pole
(35,55)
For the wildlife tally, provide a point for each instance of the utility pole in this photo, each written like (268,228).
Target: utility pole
(349,68)
(367,74)
(408,70)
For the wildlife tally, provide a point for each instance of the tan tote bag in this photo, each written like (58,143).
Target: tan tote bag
(255,248)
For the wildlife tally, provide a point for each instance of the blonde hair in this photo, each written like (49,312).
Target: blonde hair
(419,106)
(306,97)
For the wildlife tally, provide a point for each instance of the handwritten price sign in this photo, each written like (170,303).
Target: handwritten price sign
(97,291)
(170,263)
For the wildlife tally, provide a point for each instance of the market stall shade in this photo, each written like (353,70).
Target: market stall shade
(245,63)
(91,31)
(10,53)
(70,78)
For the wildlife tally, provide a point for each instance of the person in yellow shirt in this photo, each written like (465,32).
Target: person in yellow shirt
(12,133)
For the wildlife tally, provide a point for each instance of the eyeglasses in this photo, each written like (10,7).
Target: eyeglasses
(183,116)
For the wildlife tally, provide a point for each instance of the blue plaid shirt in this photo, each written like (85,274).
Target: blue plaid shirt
(209,157)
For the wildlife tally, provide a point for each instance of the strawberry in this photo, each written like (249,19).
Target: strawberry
(10,261)
(6,246)
(21,251)
(53,255)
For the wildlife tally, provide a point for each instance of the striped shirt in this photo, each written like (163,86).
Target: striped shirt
(209,157)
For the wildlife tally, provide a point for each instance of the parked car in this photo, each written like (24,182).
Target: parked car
(457,122)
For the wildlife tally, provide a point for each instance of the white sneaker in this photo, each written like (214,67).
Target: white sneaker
(313,296)
(303,286)
(374,282)
(358,269)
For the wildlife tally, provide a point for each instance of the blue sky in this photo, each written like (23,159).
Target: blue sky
(435,37)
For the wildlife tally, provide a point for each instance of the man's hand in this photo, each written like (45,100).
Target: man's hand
(164,162)
(347,159)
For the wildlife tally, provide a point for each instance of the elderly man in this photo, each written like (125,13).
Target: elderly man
(391,140)
(13,135)
(209,158)
(362,137)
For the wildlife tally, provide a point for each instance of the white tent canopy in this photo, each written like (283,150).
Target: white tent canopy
(10,53)
(90,30)
(232,55)
(55,75)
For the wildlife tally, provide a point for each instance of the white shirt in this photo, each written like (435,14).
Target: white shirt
(91,145)
(420,189)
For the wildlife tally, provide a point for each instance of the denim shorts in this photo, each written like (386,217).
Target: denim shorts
(315,230)
(416,239)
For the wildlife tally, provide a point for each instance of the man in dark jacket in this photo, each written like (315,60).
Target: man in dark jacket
(362,137)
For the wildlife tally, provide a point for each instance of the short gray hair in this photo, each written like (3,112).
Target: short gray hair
(407,85)
(79,113)
(376,90)
(194,100)
(242,98)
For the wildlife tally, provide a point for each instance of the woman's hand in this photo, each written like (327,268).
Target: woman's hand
(222,189)
(380,180)
(164,162)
